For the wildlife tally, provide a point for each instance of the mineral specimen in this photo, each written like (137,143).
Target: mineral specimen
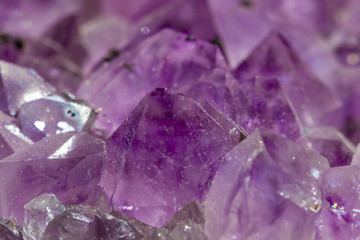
(66,164)
(165,154)
(130,119)
(267,188)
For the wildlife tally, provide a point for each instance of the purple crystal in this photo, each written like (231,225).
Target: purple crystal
(20,85)
(267,188)
(68,165)
(187,223)
(53,115)
(167,59)
(312,102)
(339,218)
(331,144)
(11,133)
(168,147)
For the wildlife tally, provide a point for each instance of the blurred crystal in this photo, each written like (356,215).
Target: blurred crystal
(267,188)
(53,115)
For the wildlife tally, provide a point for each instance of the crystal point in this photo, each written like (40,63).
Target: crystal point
(183,143)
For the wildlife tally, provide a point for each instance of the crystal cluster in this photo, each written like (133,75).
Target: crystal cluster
(182,119)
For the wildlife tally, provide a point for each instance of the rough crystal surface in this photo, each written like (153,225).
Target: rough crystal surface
(187,223)
(20,85)
(85,222)
(168,59)
(9,231)
(67,164)
(311,100)
(53,115)
(39,212)
(165,155)
(331,144)
(267,188)
(339,217)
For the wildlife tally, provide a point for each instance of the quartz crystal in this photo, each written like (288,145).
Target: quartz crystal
(331,144)
(339,217)
(165,154)
(9,231)
(39,212)
(310,99)
(66,164)
(167,59)
(130,119)
(187,223)
(19,85)
(85,223)
(267,188)
(53,115)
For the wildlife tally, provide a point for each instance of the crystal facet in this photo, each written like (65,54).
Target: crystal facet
(165,155)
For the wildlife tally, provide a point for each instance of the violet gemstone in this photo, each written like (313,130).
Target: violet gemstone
(331,144)
(19,85)
(11,133)
(267,188)
(167,59)
(53,115)
(165,154)
(313,103)
(68,165)
(339,218)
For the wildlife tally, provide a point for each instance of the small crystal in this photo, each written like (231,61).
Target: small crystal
(39,212)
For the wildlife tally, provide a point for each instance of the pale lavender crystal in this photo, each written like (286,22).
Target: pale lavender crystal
(331,144)
(313,103)
(165,154)
(33,19)
(68,165)
(339,218)
(39,212)
(19,85)
(267,188)
(167,59)
(187,223)
(53,115)
(85,222)
(12,134)
(243,24)
(9,231)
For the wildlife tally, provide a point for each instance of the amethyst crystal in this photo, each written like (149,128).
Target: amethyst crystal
(19,85)
(310,99)
(331,144)
(53,115)
(187,223)
(267,188)
(339,217)
(167,59)
(165,155)
(68,165)
(176,165)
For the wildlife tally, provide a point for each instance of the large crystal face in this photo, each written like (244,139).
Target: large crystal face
(165,155)
(269,190)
